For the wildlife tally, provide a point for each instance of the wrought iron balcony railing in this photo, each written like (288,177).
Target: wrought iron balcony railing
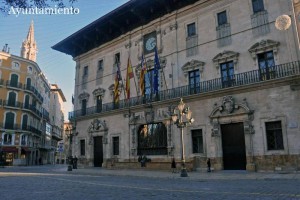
(246,78)
(34,91)
(14,84)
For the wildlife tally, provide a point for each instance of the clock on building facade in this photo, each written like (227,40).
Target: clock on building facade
(149,42)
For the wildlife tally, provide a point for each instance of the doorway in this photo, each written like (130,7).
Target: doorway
(233,144)
(98,151)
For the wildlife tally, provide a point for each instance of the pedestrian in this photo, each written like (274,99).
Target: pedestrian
(75,162)
(208,165)
(173,165)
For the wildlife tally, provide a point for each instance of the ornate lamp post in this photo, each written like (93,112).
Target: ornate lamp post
(69,134)
(181,123)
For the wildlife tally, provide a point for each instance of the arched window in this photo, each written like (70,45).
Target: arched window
(9,120)
(12,96)
(152,139)
(28,83)
(24,122)
(26,102)
(14,79)
(7,139)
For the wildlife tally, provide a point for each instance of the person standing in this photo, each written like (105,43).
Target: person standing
(208,165)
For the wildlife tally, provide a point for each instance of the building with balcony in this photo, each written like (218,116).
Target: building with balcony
(235,63)
(24,105)
(57,120)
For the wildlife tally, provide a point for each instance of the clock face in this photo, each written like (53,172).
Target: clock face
(150,43)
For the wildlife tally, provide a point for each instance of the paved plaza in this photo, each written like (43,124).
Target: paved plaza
(55,182)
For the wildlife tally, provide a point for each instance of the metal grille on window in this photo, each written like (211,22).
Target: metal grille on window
(274,135)
(152,139)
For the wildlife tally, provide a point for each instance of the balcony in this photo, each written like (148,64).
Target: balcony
(242,79)
(33,109)
(13,84)
(34,91)
(1,82)
(13,126)
(12,104)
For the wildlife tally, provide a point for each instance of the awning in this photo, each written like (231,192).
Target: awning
(10,149)
(26,149)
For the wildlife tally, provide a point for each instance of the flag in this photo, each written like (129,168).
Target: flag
(72,99)
(129,75)
(156,68)
(142,75)
(116,85)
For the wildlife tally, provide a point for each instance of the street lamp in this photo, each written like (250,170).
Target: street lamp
(1,154)
(69,134)
(181,123)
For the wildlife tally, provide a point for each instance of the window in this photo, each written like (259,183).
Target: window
(194,81)
(12,96)
(115,146)
(152,139)
(24,122)
(266,65)
(83,107)
(7,139)
(274,135)
(23,140)
(85,70)
(15,65)
(82,147)
(100,65)
(222,18)
(26,104)
(117,58)
(150,86)
(258,5)
(197,140)
(14,79)
(191,29)
(99,104)
(28,83)
(227,74)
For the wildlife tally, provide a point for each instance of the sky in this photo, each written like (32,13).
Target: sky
(58,67)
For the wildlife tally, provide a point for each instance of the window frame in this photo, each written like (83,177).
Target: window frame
(193,132)
(274,132)
(222,21)
(194,30)
(85,70)
(256,8)
(115,146)
(194,75)
(82,147)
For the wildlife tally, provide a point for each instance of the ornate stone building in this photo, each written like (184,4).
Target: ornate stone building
(237,69)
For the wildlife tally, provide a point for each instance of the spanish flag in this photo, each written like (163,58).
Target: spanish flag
(142,75)
(129,75)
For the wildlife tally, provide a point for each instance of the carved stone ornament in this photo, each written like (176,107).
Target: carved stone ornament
(99,92)
(193,65)
(83,95)
(231,112)
(228,104)
(263,46)
(225,56)
(97,126)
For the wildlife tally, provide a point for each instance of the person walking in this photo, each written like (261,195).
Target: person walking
(173,165)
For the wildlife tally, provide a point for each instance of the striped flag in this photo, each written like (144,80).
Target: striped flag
(142,75)
(156,68)
(116,85)
(129,76)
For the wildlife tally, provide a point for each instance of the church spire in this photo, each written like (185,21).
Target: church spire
(29,48)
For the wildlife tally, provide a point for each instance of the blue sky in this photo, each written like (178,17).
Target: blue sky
(58,67)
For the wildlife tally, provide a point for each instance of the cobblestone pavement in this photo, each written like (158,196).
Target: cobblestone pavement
(55,182)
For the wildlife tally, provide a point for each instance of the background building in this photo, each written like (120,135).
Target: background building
(25,128)
(235,63)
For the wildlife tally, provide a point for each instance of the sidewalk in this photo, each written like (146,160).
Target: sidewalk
(216,175)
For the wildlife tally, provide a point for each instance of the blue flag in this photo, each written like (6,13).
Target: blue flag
(156,68)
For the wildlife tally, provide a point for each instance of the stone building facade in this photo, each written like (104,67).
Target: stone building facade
(234,63)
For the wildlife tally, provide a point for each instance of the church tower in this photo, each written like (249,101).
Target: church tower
(29,49)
